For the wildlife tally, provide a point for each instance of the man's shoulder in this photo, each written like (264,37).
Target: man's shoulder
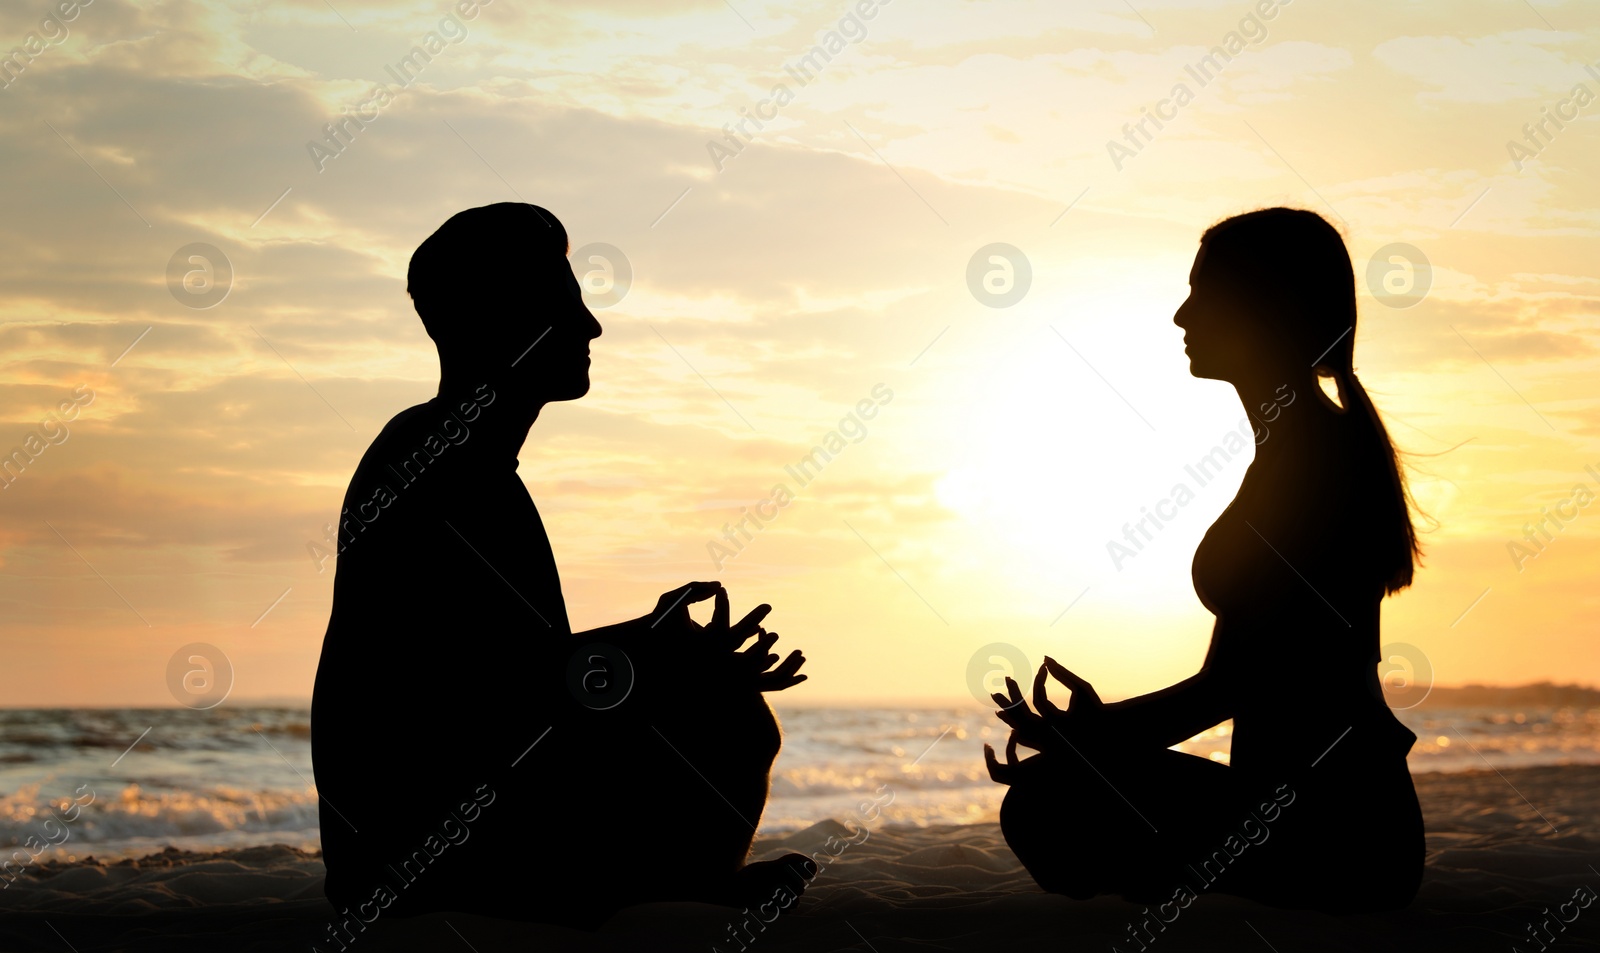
(404,434)
(409,444)
(427,429)
(409,426)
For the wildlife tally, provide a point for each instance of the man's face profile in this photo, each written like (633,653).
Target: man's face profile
(496,290)
(553,328)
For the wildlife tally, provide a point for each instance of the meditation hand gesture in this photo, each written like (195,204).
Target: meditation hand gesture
(1050,727)
(756,662)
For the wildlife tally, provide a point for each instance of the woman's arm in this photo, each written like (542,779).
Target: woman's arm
(1174,713)
(1161,718)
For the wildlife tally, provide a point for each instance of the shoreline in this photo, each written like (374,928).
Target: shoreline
(1435,789)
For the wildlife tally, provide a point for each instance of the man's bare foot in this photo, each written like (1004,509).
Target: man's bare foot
(767,880)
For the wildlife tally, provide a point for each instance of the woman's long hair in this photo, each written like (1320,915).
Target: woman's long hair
(1290,267)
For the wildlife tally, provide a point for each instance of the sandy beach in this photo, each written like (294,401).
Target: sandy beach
(1503,849)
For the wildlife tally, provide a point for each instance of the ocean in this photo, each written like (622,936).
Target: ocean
(127,782)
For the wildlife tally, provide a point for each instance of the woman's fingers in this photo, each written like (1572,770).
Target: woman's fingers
(1068,679)
(996,771)
(999,772)
(1016,704)
(1041,697)
(1014,690)
(1020,718)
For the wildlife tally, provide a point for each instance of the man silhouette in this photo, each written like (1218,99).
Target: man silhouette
(471,752)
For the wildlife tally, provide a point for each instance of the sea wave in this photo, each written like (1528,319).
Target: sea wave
(109,820)
(233,777)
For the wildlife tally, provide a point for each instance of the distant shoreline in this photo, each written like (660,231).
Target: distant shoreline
(1472,695)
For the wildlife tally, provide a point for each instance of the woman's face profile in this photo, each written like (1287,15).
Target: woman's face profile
(1221,337)
(1205,318)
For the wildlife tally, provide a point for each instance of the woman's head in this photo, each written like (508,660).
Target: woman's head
(1272,301)
(1272,294)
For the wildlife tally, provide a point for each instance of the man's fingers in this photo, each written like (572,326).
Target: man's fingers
(701,591)
(686,594)
(719,614)
(791,664)
(764,642)
(770,682)
(749,625)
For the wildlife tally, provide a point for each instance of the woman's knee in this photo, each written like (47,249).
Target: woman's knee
(1026,819)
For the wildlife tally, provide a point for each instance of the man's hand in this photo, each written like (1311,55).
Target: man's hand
(673,609)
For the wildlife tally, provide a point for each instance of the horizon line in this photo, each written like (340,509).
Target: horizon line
(909,701)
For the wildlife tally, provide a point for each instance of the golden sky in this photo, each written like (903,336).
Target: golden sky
(774,287)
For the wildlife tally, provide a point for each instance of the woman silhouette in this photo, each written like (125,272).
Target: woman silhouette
(1317,807)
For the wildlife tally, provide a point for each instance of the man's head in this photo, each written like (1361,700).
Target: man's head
(495,292)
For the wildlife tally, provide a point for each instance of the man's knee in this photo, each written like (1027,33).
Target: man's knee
(758,732)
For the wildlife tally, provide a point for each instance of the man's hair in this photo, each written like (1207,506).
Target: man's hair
(477,257)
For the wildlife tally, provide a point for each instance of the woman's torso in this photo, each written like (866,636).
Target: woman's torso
(1292,571)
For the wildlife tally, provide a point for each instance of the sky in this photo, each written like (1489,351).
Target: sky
(203,320)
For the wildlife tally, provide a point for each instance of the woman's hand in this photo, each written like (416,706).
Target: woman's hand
(1048,727)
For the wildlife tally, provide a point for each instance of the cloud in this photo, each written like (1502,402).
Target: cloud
(1496,68)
